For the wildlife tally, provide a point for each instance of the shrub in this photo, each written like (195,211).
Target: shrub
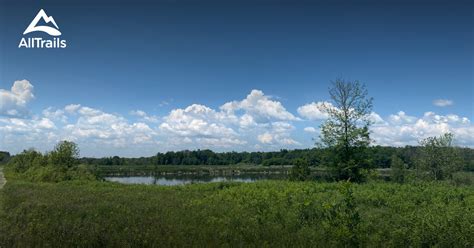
(398,169)
(61,164)
(25,160)
(300,171)
(439,159)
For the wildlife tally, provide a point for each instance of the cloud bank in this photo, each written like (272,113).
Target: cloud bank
(256,122)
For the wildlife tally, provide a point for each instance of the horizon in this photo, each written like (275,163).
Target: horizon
(173,76)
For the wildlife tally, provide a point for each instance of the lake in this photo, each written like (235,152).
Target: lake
(173,180)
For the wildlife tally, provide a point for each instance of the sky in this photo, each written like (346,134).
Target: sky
(140,77)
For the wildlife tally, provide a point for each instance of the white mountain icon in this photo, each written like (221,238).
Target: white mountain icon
(49,30)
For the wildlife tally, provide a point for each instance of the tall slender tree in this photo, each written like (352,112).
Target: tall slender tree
(346,131)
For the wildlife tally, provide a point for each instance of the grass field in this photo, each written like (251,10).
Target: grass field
(261,214)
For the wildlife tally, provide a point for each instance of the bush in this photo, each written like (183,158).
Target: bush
(439,159)
(61,164)
(463,178)
(300,171)
(27,159)
(398,169)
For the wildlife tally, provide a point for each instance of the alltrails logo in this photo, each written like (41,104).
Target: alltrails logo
(38,42)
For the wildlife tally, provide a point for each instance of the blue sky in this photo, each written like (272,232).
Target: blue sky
(127,59)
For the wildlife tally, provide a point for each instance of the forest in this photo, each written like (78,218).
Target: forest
(381,157)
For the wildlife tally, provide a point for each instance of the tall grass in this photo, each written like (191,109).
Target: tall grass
(267,213)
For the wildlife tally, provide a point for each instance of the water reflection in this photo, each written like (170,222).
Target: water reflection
(181,180)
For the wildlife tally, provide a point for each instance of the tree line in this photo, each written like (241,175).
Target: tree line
(380,157)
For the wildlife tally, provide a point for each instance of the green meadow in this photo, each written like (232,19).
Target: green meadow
(261,214)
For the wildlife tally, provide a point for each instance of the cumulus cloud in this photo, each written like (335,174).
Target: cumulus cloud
(260,107)
(197,120)
(93,130)
(13,102)
(402,129)
(278,134)
(17,134)
(443,102)
(401,118)
(236,125)
(257,118)
(112,129)
(314,110)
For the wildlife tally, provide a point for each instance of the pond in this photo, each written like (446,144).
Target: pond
(172,180)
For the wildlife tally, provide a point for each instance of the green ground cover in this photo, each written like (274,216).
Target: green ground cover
(265,213)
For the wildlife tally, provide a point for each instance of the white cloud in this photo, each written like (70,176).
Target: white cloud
(375,118)
(443,102)
(45,123)
(401,118)
(265,138)
(144,116)
(260,107)
(17,134)
(235,125)
(96,125)
(402,129)
(72,108)
(256,118)
(196,120)
(13,102)
(278,134)
(310,129)
(55,114)
(314,110)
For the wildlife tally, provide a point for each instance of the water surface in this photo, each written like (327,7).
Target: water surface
(182,180)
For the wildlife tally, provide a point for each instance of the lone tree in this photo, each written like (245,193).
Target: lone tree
(439,159)
(346,132)
(65,155)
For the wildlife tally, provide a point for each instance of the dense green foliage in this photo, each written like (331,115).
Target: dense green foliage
(399,172)
(346,131)
(300,171)
(61,164)
(379,156)
(267,213)
(4,157)
(438,159)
